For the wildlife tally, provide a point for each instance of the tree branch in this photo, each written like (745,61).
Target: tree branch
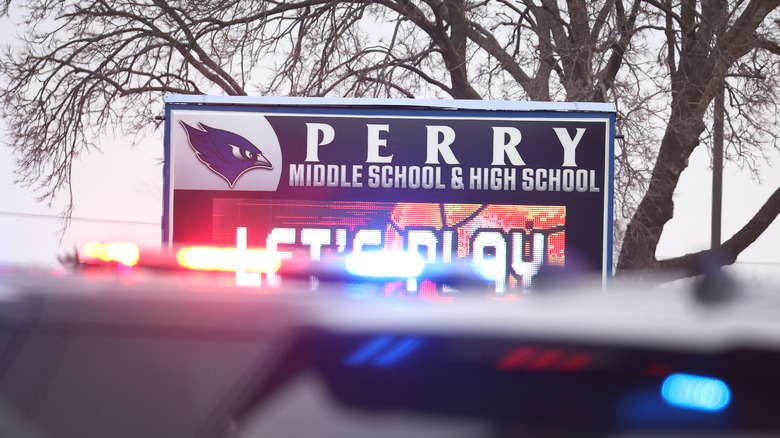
(727,253)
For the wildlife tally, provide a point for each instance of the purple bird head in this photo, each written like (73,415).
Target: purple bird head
(227,154)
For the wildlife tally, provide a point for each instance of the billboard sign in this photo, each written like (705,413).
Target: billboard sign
(526,186)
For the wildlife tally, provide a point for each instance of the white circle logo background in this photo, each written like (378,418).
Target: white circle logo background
(189,173)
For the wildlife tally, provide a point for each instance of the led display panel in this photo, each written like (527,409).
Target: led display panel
(524,187)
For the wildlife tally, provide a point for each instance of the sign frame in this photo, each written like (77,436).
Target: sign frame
(401,109)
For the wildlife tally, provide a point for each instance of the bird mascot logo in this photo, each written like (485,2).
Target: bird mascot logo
(227,154)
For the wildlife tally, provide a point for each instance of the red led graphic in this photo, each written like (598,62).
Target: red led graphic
(468,218)
(518,239)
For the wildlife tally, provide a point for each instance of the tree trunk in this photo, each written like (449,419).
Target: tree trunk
(657,206)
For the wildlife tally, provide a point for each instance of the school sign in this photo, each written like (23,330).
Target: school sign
(524,185)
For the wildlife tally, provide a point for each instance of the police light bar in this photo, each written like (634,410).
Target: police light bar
(385,264)
(205,258)
(126,253)
(197,258)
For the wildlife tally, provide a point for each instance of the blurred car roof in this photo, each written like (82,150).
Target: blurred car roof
(101,357)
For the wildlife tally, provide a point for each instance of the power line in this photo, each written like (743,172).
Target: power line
(75,219)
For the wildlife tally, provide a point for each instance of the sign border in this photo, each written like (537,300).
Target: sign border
(305,105)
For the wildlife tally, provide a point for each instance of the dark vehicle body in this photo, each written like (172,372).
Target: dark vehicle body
(86,357)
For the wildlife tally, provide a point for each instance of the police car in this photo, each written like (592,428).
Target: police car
(85,355)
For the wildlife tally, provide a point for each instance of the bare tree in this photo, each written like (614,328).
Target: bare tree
(92,66)
(709,46)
